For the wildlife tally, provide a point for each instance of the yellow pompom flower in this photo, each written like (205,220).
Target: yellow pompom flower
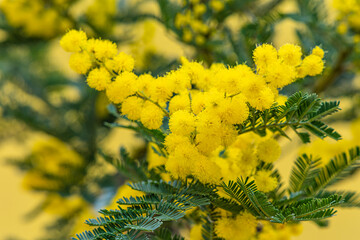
(312,65)
(161,89)
(242,227)
(261,100)
(151,116)
(131,107)
(264,55)
(317,51)
(290,54)
(122,87)
(268,150)
(279,74)
(80,62)
(180,163)
(234,110)
(264,181)
(73,41)
(179,102)
(121,62)
(206,171)
(104,49)
(99,78)
(182,123)
(172,141)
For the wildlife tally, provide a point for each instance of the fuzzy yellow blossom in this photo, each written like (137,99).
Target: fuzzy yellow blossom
(99,78)
(234,110)
(161,89)
(312,65)
(290,54)
(80,62)
(264,181)
(182,123)
(317,51)
(181,79)
(268,150)
(172,141)
(121,62)
(198,100)
(180,163)
(264,55)
(131,107)
(144,82)
(105,49)
(122,87)
(279,74)
(73,41)
(206,171)
(179,102)
(259,95)
(242,227)
(151,116)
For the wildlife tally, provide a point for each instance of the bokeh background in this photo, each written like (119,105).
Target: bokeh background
(25,57)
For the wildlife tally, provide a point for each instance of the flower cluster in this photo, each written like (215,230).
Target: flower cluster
(38,18)
(201,107)
(348,16)
(193,21)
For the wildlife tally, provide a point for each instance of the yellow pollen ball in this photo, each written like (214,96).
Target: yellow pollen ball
(151,116)
(312,65)
(73,41)
(121,62)
(182,123)
(131,107)
(290,54)
(318,52)
(122,87)
(264,55)
(264,181)
(180,163)
(104,49)
(268,150)
(179,102)
(99,78)
(234,110)
(80,62)
(172,141)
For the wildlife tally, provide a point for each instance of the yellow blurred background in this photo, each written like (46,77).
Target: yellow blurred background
(15,202)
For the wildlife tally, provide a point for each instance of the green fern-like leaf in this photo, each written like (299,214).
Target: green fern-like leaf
(311,209)
(349,199)
(337,169)
(304,169)
(252,200)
